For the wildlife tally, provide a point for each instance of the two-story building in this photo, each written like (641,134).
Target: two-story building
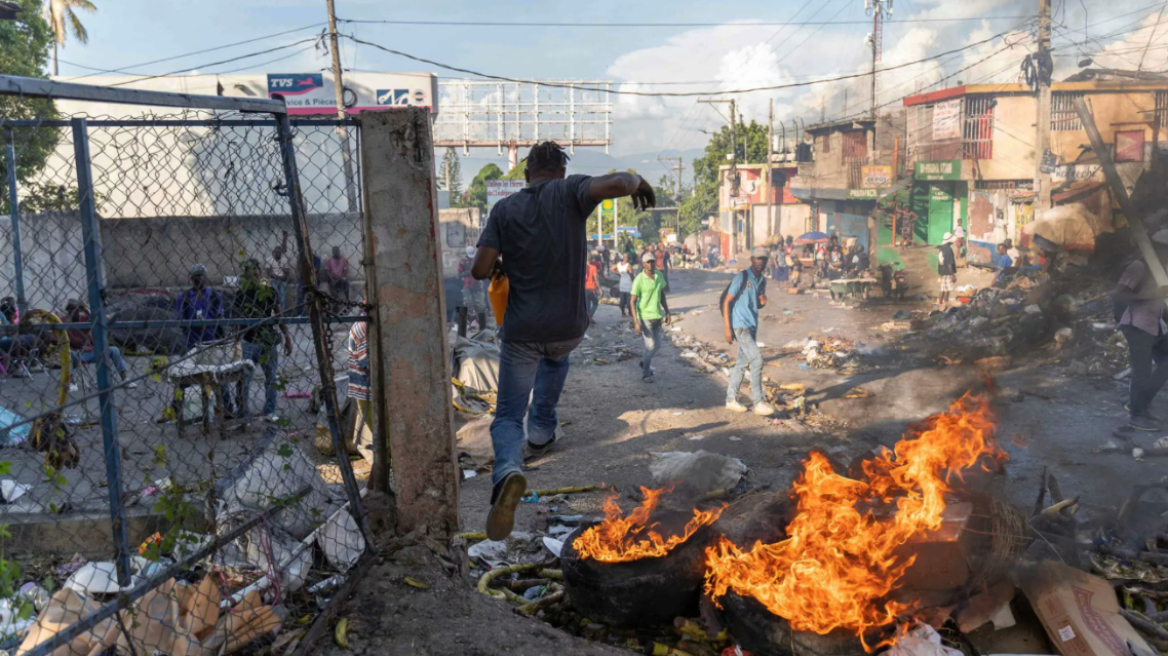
(751,212)
(971,155)
(851,163)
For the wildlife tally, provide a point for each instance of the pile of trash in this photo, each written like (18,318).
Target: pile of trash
(702,356)
(828,352)
(1028,313)
(288,545)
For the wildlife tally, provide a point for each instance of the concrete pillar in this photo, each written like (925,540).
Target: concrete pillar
(409,358)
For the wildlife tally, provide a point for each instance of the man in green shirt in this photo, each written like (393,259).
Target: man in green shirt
(649,310)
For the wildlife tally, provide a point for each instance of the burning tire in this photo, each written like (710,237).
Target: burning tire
(764,634)
(639,592)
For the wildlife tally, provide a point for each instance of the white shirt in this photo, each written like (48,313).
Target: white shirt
(278,269)
(626,280)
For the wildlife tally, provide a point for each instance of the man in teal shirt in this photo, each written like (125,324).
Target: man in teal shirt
(649,310)
(745,296)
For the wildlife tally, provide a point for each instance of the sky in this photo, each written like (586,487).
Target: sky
(928,44)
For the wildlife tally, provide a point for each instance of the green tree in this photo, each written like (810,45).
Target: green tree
(703,202)
(62,18)
(517,172)
(476,193)
(24,51)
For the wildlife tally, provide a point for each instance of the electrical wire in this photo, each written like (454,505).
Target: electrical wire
(708,25)
(677,94)
(218,63)
(125,69)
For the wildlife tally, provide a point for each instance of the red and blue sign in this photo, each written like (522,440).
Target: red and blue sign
(294,85)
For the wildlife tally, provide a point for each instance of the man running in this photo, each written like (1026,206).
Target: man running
(541,234)
(649,310)
(745,296)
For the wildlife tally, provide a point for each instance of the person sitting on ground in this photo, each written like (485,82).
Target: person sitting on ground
(81,343)
(744,298)
(257,300)
(541,234)
(1140,311)
(650,309)
(1004,265)
(946,271)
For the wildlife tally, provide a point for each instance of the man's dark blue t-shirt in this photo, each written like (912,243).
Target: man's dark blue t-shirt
(541,234)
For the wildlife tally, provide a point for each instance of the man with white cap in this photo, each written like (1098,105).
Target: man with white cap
(740,305)
(649,310)
(946,270)
(1140,310)
(472,292)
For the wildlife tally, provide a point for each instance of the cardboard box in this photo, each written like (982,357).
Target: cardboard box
(1081,613)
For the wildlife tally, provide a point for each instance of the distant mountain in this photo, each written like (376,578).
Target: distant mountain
(593,161)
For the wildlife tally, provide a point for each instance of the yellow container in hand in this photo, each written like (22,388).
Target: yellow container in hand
(498,291)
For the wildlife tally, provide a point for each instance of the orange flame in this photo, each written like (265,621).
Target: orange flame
(622,539)
(838,562)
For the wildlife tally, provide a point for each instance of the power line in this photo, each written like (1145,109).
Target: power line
(709,25)
(677,94)
(218,63)
(125,69)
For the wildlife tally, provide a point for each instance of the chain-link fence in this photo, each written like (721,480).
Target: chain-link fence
(170,366)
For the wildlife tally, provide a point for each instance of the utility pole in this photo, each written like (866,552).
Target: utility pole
(678,167)
(342,130)
(1044,69)
(770,193)
(733,169)
(876,38)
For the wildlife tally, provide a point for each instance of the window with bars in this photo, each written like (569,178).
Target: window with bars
(855,155)
(1063,117)
(1162,108)
(977,129)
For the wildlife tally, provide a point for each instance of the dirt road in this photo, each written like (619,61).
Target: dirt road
(615,420)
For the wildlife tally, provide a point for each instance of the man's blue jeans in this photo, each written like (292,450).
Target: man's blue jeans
(651,333)
(267,357)
(748,356)
(115,355)
(524,368)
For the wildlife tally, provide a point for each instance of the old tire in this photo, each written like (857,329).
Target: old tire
(764,634)
(638,593)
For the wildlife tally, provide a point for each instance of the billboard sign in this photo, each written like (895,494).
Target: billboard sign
(314,93)
(876,177)
(947,120)
(949,169)
(497,190)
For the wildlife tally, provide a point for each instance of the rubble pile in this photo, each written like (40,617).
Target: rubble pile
(702,356)
(1031,312)
(829,353)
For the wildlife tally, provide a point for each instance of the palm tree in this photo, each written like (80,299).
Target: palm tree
(62,15)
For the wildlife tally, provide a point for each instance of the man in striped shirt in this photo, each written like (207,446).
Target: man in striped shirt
(359,386)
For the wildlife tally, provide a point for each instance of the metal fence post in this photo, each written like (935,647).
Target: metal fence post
(324,355)
(14,209)
(91,235)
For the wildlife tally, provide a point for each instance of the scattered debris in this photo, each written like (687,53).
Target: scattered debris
(704,472)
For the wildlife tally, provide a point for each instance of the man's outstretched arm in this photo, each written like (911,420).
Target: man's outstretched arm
(484,262)
(619,185)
